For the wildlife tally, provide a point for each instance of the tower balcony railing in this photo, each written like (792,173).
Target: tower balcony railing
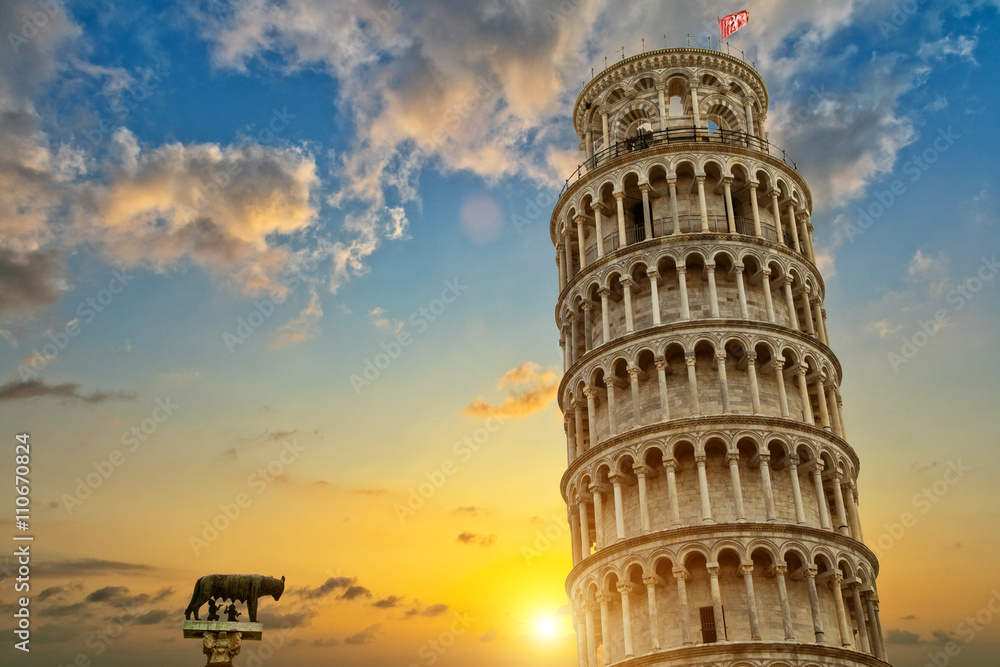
(677,135)
(689,224)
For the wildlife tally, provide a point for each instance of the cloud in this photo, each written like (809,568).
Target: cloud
(481,540)
(383,323)
(388,602)
(943,636)
(904,637)
(430,611)
(68,391)
(537,389)
(30,280)
(326,642)
(53,633)
(491,635)
(961,46)
(153,617)
(301,328)
(366,636)
(355,592)
(112,594)
(64,610)
(88,566)
(284,621)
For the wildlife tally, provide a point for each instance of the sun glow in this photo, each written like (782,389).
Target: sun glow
(546,627)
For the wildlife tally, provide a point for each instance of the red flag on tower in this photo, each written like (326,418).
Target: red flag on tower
(730,24)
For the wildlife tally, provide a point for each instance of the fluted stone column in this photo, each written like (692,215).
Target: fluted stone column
(734,476)
(625,590)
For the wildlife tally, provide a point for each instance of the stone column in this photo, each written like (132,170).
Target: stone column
(581,639)
(840,415)
(824,509)
(562,270)
(786,613)
(758,231)
(599,224)
(741,292)
(778,365)
(682,279)
(878,631)
(604,130)
(654,289)
(565,349)
(817,305)
(817,614)
(574,330)
(838,499)
(749,114)
(647,223)
(588,139)
(793,471)
(852,514)
(727,185)
(690,359)
(584,528)
(568,247)
(706,504)
(622,238)
(573,518)
(581,240)
(831,400)
(597,491)
(763,461)
(605,316)
(654,621)
(670,465)
(604,599)
(581,435)
(695,108)
(674,213)
(681,575)
(776,213)
(610,383)
(625,590)
(734,476)
(747,570)
(754,387)
(807,413)
(824,412)
(633,374)
(876,644)
(794,227)
(591,636)
(641,472)
(616,481)
(768,299)
(570,425)
(720,623)
(588,326)
(720,364)
(591,395)
(661,374)
(838,599)
(807,312)
(713,293)
(629,315)
(859,616)
(786,283)
(702,205)
(663,107)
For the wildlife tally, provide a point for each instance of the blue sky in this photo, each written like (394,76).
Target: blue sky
(316,138)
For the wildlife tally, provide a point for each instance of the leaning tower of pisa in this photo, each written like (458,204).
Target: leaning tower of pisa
(711,488)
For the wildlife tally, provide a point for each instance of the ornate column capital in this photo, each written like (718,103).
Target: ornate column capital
(710,266)
(700,179)
(579,219)
(641,470)
(633,372)
(604,292)
(672,181)
(681,270)
(713,570)
(738,268)
(763,459)
(751,357)
(753,185)
(619,196)
(781,569)
(855,587)
(597,487)
(627,282)
(721,356)
(652,580)
(653,274)
(587,305)
(681,574)
(701,459)
(590,392)
(625,588)
(661,365)
(728,180)
(733,457)
(746,568)
(604,598)
(793,461)
(670,465)
(784,280)
(690,359)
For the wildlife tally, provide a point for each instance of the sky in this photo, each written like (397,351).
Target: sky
(266,269)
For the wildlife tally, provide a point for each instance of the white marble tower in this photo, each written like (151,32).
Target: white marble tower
(711,488)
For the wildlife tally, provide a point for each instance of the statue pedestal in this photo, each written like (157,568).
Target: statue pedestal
(221,640)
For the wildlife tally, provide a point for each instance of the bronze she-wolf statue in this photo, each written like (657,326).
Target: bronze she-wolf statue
(243,587)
